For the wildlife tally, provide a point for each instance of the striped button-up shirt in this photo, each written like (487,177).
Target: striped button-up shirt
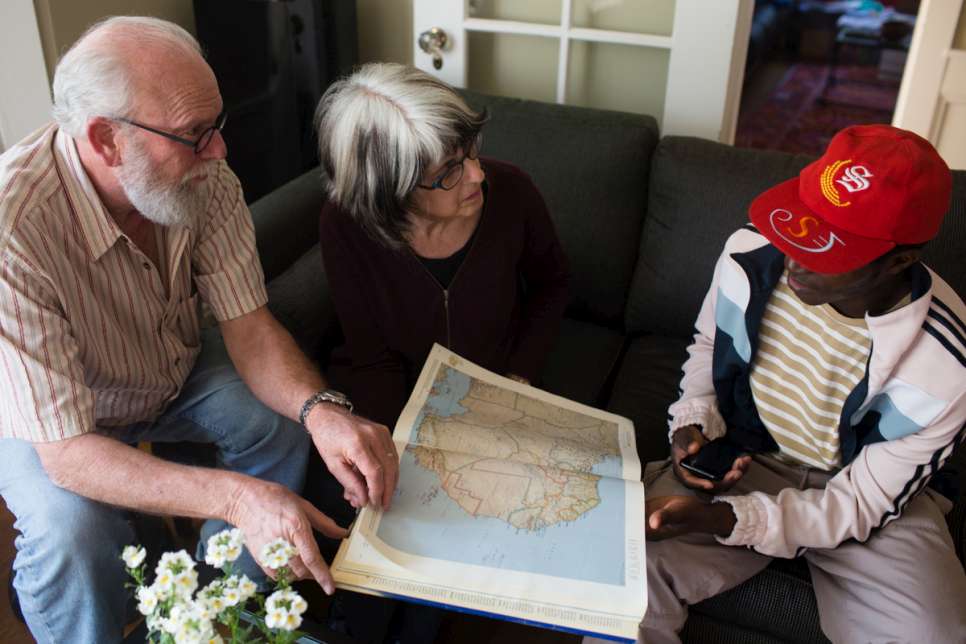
(92,333)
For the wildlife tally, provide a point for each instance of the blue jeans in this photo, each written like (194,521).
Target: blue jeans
(69,577)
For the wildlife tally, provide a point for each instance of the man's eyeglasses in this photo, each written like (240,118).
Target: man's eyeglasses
(453,172)
(197,145)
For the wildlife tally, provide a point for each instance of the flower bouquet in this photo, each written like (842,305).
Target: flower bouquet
(176,614)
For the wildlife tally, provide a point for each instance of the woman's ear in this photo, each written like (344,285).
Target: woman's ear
(103,139)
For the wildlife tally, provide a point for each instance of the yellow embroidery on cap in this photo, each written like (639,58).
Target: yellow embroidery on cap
(828,189)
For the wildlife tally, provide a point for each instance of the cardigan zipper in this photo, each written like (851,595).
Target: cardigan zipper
(449,340)
(412,253)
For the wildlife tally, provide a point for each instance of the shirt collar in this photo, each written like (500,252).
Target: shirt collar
(99,229)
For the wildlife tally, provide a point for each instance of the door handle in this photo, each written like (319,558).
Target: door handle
(433,42)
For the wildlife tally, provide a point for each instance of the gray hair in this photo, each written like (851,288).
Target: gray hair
(94,77)
(379,130)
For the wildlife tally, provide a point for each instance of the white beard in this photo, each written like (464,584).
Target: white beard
(165,204)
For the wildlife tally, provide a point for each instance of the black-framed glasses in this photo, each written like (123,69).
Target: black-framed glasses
(453,172)
(197,145)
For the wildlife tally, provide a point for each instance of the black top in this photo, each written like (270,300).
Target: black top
(444,268)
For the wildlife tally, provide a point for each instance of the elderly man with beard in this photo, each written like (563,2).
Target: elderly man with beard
(114,221)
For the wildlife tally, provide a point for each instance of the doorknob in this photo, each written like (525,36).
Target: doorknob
(433,41)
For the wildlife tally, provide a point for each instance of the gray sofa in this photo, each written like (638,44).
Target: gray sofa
(642,220)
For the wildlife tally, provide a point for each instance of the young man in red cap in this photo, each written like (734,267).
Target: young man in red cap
(836,362)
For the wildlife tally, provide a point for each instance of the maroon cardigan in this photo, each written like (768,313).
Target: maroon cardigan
(502,310)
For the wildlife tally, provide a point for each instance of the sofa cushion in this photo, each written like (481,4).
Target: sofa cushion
(591,167)
(699,194)
(287,222)
(581,361)
(646,384)
(945,254)
(299,299)
(778,602)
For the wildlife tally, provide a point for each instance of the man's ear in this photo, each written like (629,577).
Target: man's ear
(903,259)
(102,136)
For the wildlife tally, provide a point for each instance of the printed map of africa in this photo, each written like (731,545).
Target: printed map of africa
(497,478)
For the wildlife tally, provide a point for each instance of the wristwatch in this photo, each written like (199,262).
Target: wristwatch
(326,395)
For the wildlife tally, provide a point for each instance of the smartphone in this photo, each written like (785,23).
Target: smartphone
(714,460)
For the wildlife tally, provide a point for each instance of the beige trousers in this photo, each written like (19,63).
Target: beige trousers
(904,584)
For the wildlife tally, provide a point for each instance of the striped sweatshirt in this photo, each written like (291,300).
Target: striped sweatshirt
(897,427)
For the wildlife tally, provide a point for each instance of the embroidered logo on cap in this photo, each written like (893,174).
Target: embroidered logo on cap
(802,235)
(854,179)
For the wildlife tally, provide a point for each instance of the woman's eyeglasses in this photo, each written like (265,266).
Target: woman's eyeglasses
(453,172)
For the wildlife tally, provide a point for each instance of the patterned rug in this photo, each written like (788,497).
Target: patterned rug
(801,115)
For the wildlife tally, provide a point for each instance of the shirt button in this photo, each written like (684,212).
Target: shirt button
(177,361)
(146,266)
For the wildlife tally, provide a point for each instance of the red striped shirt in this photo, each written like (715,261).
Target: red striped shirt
(91,332)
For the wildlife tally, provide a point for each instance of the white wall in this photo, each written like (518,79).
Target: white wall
(386,30)
(25,99)
(63,21)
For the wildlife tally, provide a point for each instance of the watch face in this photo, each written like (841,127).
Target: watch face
(338,398)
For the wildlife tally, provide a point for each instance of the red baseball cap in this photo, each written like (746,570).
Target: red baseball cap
(875,188)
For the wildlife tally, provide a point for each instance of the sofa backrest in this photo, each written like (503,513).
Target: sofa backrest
(287,222)
(591,167)
(699,194)
(946,254)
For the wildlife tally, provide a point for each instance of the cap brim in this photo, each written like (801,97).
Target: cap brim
(780,215)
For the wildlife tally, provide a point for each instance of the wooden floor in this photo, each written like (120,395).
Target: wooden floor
(456,627)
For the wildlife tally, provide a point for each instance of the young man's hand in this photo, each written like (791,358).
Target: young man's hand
(689,440)
(673,516)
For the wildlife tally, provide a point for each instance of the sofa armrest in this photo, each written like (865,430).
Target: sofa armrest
(956,519)
(957,528)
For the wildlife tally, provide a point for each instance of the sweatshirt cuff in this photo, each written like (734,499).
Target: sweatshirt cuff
(711,424)
(751,524)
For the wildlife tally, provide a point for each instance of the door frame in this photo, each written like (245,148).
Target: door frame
(708,46)
(920,93)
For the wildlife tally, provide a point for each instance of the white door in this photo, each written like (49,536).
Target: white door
(932,97)
(681,61)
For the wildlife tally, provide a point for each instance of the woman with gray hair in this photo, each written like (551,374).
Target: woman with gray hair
(425,241)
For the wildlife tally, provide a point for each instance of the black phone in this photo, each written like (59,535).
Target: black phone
(714,460)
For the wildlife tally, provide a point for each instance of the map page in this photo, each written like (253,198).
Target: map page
(511,501)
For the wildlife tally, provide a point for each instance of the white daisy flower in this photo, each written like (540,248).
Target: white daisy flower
(277,553)
(292,621)
(147,599)
(246,587)
(275,618)
(133,556)
(185,583)
(164,581)
(232,596)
